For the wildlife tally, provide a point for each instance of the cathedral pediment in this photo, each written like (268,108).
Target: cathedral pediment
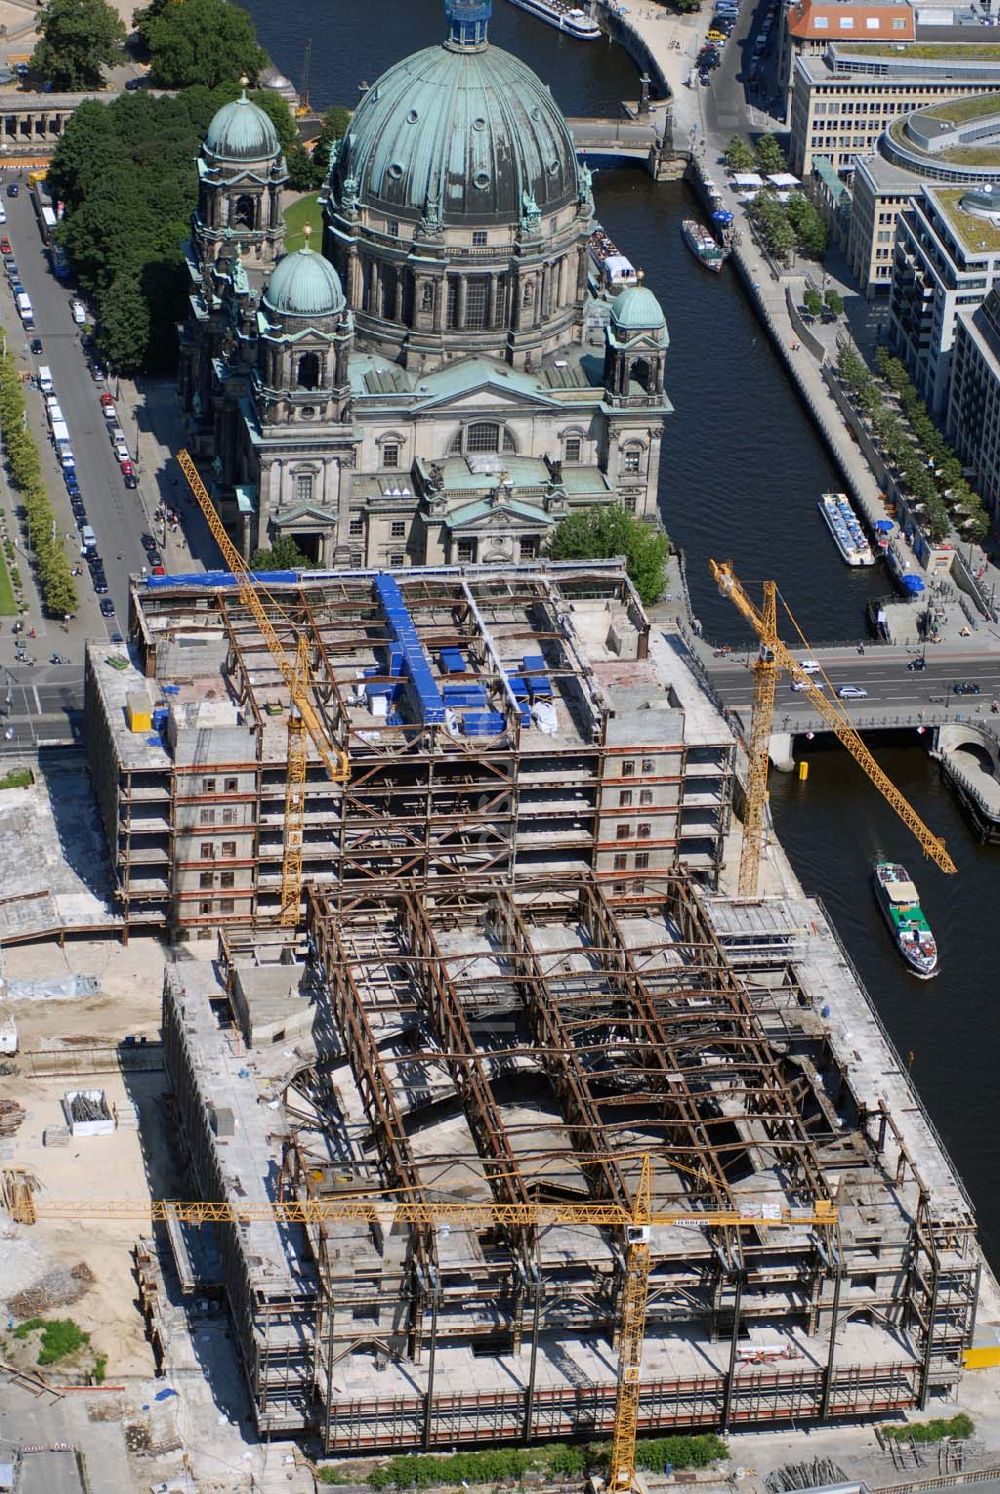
(497,515)
(476,385)
(302,513)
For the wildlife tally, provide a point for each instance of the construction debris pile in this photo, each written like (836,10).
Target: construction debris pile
(11,1116)
(821,1473)
(59,1287)
(85,1107)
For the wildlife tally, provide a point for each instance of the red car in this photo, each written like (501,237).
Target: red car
(159,570)
(5,245)
(107,399)
(127,470)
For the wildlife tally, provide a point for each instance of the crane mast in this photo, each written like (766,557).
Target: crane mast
(774,657)
(302,718)
(17,1188)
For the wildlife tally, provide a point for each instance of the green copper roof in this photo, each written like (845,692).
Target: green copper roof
(242,132)
(460,133)
(304,284)
(636,309)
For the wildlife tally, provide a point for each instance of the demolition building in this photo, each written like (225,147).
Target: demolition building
(471,1043)
(496,723)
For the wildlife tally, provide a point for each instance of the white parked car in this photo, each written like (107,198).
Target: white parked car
(122,452)
(79,312)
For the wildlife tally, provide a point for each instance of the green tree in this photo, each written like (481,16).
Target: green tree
(77,39)
(739,155)
(284,555)
(124,174)
(334,127)
(810,230)
(199,41)
(782,241)
(125,323)
(769,155)
(302,175)
(602,532)
(834,301)
(812,301)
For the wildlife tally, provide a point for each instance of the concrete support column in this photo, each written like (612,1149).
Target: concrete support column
(463,295)
(543,298)
(491,304)
(440,298)
(562,282)
(780,751)
(397,310)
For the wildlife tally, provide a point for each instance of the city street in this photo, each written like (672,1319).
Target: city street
(884,674)
(115,513)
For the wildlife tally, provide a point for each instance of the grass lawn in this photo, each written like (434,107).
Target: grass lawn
(8,606)
(305,210)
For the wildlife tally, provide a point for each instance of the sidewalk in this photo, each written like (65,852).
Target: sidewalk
(156,427)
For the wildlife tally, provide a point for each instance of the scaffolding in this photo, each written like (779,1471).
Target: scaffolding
(535,1043)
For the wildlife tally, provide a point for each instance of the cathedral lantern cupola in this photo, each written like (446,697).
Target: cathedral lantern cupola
(635,351)
(241,175)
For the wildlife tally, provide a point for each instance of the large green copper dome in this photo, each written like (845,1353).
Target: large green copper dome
(459,133)
(304,284)
(240,131)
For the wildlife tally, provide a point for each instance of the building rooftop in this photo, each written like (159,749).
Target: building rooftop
(978,234)
(819,20)
(926,51)
(961,68)
(539,656)
(960,111)
(957,141)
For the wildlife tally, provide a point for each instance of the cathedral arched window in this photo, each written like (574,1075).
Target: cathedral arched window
(483,437)
(308,371)
(243,211)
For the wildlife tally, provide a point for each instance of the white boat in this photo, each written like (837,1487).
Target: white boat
(615,271)
(845,526)
(568,18)
(900,904)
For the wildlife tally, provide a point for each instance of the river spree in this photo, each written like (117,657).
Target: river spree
(742,471)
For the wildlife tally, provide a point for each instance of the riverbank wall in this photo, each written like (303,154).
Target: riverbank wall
(622,29)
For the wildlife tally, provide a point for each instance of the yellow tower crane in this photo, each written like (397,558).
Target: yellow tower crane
(773,656)
(636,1223)
(303,716)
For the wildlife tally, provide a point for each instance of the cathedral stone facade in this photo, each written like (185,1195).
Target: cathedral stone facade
(439,382)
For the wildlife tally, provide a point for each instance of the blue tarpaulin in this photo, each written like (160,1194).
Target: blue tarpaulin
(221,578)
(913,585)
(884,526)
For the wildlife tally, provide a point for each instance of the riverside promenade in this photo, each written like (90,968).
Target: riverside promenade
(807,352)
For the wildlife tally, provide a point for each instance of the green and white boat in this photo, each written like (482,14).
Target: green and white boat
(900,904)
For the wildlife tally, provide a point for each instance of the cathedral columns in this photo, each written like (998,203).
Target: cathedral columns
(463,295)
